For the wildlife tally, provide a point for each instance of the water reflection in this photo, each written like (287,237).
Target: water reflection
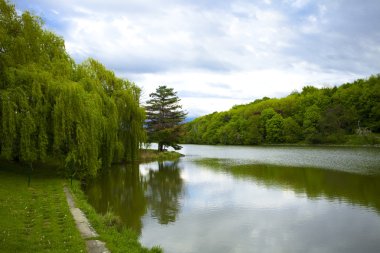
(353,188)
(163,190)
(229,208)
(229,203)
(130,194)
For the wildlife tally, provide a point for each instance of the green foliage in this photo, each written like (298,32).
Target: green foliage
(274,127)
(164,115)
(326,115)
(50,107)
(310,123)
(292,131)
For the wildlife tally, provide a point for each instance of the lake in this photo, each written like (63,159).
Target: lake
(249,199)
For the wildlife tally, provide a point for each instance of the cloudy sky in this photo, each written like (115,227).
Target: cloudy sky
(220,53)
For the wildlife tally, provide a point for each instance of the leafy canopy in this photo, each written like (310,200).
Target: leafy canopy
(326,115)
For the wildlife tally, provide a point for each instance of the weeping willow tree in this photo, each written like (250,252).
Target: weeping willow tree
(50,107)
(122,111)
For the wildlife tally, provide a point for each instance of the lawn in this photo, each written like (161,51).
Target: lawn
(35,218)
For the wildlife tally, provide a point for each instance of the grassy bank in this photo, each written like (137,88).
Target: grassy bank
(372,139)
(148,155)
(38,219)
(109,227)
(35,218)
(367,140)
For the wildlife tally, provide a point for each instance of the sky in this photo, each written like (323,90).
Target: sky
(216,53)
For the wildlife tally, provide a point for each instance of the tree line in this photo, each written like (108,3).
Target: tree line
(86,117)
(52,108)
(326,115)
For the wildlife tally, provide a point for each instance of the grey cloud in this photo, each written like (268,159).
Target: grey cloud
(231,95)
(195,94)
(343,34)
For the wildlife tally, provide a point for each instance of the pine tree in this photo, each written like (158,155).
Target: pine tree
(164,116)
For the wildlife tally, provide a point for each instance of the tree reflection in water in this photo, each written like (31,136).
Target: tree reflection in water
(128,193)
(164,188)
(353,188)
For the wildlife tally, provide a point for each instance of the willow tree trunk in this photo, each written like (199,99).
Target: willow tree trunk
(30,174)
(160,146)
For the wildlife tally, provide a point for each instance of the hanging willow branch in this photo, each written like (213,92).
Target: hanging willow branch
(82,115)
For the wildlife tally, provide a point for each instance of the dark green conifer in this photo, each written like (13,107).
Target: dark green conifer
(164,116)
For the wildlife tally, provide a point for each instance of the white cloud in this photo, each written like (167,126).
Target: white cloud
(253,48)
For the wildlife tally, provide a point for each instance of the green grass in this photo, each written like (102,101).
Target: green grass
(109,227)
(147,155)
(38,219)
(35,218)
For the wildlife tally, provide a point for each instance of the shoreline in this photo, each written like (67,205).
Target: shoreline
(291,145)
(151,155)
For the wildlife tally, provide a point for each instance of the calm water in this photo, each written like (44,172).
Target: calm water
(244,199)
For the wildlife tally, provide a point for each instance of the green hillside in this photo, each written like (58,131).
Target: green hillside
(348,114)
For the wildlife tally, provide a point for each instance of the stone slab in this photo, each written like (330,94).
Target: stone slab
(84,227)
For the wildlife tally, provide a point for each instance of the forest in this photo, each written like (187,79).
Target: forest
(51,108)
(348,114)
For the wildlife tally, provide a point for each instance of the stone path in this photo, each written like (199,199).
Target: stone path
(84,227)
